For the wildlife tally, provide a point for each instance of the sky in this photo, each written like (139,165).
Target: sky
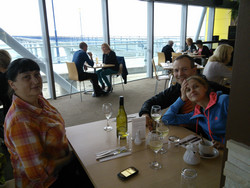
(84,17)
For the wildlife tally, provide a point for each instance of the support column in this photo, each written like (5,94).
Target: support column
(183,35)
(150,38)
(105,20)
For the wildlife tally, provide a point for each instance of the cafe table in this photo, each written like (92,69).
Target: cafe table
(100,65)
(90,138)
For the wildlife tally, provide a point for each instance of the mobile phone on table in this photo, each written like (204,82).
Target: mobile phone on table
(127,173)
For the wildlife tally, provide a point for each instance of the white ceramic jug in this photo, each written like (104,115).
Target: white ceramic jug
(191,156)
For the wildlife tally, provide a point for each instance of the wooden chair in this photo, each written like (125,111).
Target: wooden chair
(175,55)
(118,74)
(159,78)
(161,58)
(73,75)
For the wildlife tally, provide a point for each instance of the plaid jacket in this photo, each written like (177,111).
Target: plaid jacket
(35,137)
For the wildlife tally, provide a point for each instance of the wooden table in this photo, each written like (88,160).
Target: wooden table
(88,139)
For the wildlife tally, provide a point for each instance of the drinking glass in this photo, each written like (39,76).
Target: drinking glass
(155,144)
(163,131)
(188,178)
(156,114)
(107,110)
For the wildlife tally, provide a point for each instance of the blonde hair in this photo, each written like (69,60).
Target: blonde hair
(221,53)
(5,59)
(106,46)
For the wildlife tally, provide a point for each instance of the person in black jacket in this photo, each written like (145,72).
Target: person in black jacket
(109,57)
(190,47)
(167,50)
(202,49)
(183,68)
(5,59)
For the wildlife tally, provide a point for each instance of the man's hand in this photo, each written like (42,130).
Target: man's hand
(183,90)
(85,67)
(90,54)
(149,121)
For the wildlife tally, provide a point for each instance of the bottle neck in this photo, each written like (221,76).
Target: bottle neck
(121,101)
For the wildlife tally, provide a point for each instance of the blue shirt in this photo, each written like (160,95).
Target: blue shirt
(79,59)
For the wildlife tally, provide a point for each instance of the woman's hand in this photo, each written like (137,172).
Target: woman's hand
(218,145)
(183,90)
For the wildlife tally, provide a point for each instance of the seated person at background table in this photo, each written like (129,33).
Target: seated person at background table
(167,50)
(202,49)
(210,112)
(79,59)
(109,57)
(5,59)
(189,47)
(216,69)
(34,133)
(183,67)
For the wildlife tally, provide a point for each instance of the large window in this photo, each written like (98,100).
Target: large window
(128,31)
(193,21)
(167,25)
(71,22)
(21,20)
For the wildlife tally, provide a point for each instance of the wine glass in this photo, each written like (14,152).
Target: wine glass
(107,110)
(156,113)
(163,131)
(155,144)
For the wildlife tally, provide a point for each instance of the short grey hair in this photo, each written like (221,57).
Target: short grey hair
(170,42)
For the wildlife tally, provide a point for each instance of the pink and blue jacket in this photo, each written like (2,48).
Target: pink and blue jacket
(212,120)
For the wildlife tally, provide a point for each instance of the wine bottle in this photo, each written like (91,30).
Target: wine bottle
(121,121)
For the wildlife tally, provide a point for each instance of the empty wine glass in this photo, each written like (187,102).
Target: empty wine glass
(155,144)
(107,110)
(163,131)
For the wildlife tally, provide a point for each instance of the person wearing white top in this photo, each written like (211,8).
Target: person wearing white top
(216,69)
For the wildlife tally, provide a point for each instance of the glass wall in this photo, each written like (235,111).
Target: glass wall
(167,25)
(71,22)
(193,20)
(128,31)
(20,20)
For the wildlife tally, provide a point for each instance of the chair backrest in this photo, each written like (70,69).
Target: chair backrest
(154,67)
(161,58)
(175,55)
(120,69)
(73,74)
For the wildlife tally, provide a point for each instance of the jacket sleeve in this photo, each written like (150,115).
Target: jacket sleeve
(172,116)
(164,99)
(89,61)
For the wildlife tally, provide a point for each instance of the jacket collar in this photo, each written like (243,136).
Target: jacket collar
(26,106)
(212,101)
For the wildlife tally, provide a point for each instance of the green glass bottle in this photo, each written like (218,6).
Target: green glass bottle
(121,121)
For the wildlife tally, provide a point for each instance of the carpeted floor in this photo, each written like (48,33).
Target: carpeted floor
(76,112)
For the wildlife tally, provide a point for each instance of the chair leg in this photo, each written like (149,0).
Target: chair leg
(71,88)
(156,85)
(165,84)
(170,81)
(80,92)
(122,84)
(84,90)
